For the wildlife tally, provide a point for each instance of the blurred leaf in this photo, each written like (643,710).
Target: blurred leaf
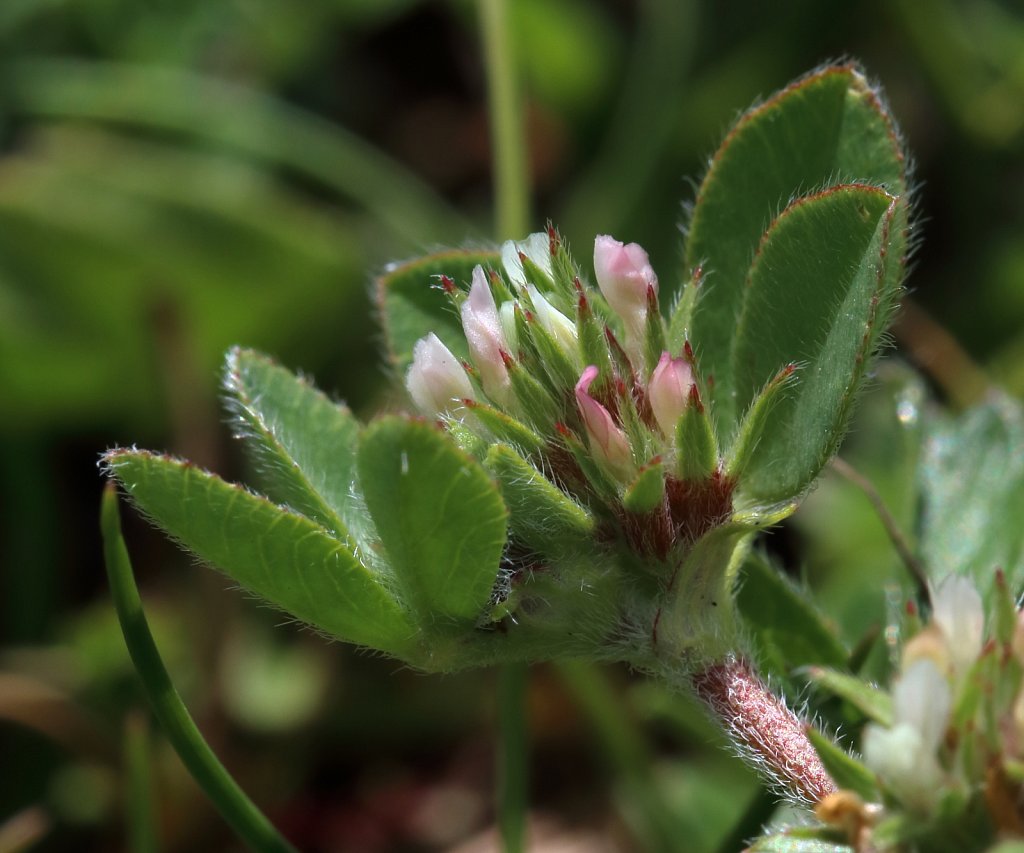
(789,629)
(240,119)
(845,770)
(818,295)
(972,480)
(305,444)
(413,304)
(271,686)
(440,519)
(875,704)
(170,241)
(280,555)
(826,129)
(851,565)
(799,841)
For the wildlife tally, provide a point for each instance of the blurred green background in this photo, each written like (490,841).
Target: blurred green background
(177,176)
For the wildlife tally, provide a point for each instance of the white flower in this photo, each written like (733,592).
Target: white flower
(906,755)
(553,321)
(487,346)
(958,611)
(436,381)
(537,247)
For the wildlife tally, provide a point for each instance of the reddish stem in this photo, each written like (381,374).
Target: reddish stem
(764,728)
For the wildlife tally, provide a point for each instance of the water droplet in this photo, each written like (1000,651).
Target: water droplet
(906,411)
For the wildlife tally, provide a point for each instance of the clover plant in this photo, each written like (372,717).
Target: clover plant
(592,447)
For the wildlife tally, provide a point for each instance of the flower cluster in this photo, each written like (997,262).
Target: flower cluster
(593,384)
(950,756)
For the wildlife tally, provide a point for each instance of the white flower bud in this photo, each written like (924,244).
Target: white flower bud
(436,380)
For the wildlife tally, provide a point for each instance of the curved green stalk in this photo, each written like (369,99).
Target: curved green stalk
(141,820)
(231,801)
(513,757)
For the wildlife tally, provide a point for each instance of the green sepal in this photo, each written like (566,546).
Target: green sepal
(542,516)
(788,628)
(592,341)
(412,304)
(875,704)
(561,367)
(654,333)
(282,556)
(647,492)
(535,402)
(845,770)
(601,482)
(828,128)
(505,428)
(440,519)
(696,445)
(305,443)
(755,422)
(681,315)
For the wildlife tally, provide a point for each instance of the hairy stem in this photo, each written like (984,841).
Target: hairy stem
(763,728)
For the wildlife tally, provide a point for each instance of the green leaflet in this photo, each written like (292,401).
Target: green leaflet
(413,304)
(828,128)
(818,295)
(305,443)
(277,554)
(440,518)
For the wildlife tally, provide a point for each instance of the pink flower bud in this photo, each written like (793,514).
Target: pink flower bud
(606,438)
(482,326)
(668,391)
(624,274)
(436,381)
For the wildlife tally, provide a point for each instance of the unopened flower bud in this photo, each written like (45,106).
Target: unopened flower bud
(482,327)
(606,438)
(553,321)
(668,391)
(906,755)
(536,247)
(958,611)
(436,380)
(624,274)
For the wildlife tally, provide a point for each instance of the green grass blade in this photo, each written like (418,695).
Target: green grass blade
(230,800)
(240,119)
